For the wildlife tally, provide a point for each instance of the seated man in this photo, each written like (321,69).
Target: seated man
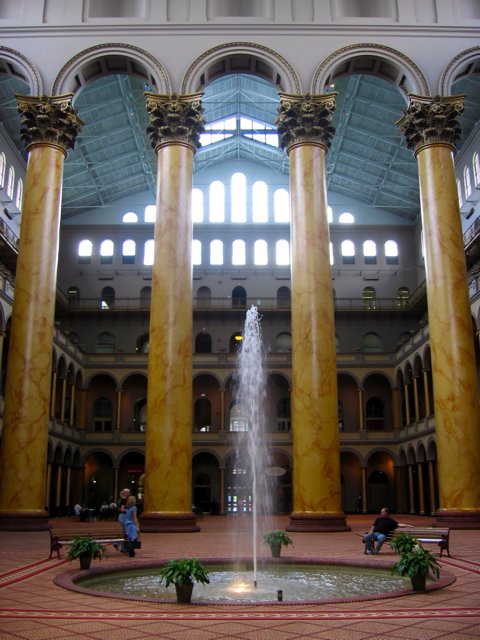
(379,530)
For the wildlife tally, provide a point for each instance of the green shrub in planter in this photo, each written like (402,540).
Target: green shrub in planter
(276,540)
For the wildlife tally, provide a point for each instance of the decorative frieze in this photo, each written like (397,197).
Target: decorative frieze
(431,120)
(175,118)
(49,120)
(305,119)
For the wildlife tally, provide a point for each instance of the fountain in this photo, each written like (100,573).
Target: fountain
(252,453)
(247,580)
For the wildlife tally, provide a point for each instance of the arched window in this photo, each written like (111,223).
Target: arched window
(369,297)
(238,252)
(105,343)
(283,343)
(128,252)
(348,252)
(149,252)
(145,297)
(10,182)
(239,297)
(108,298)
(217,202)
(204,297)
(140,415)
(196,252)
(281,206)
(346,218)
(370,252)
(372,343)
(203,342)
(238,197)
(3,168)
(202,419)
(330,251)
(216,252)
(130,216)
(375,414)
(283,298)
(467,182)
(260,201)
(19,196)
(150,213)
(459,192)
(197,205)
(260,253)
(238,421)
(106,252)
(235,342)
(282,253)
(103,414)
(476,169)
(143,343)
(329,214)
(85,251)
(391,252)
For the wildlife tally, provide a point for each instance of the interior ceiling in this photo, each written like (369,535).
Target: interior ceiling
(368,159)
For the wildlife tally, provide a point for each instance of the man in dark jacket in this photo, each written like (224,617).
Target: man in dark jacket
(379,530)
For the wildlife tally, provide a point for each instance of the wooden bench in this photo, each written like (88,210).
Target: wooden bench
(426,535)
(60,536)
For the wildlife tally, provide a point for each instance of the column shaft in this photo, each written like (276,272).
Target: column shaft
(169,425)
(316,466)
(27,394)
(457,415)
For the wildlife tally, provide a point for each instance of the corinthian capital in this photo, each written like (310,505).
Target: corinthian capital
(175,118)
(49,120)
(305,119)
(431,120)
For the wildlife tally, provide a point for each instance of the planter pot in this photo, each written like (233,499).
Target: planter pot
(419,582)
(184,593)
(85,562)
(276,550)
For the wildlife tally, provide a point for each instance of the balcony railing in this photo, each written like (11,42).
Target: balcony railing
(238,304)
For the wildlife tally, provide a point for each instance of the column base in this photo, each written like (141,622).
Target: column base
(24,521)
(158,522)
(324,522)
(457,519)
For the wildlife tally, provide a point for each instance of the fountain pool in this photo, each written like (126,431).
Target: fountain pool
(299,582)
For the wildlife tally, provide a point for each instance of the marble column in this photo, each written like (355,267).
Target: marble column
(175,126)
(53,395)
(430,126)
(406,399)
(421,495)
(304,127)
(415,398)
(364,490)
(50,127)
(411,498)
(119,410)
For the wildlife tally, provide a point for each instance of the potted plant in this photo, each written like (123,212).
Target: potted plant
(402,542)
(415,562)
(183,574)
(86,549)
(276,540)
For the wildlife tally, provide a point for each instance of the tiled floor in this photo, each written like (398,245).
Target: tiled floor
(33,607)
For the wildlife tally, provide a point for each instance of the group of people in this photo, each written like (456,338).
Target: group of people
(127,516)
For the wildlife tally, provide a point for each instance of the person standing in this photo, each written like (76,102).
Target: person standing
(132,528)
(380,529)
(122,507)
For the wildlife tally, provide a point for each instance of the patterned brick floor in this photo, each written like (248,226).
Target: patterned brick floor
(33,607)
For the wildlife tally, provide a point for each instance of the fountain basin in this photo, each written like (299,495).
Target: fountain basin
(300,581)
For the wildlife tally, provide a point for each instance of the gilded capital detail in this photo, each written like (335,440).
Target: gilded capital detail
(49,120)
(175,118)
(305,119)
(431,120)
